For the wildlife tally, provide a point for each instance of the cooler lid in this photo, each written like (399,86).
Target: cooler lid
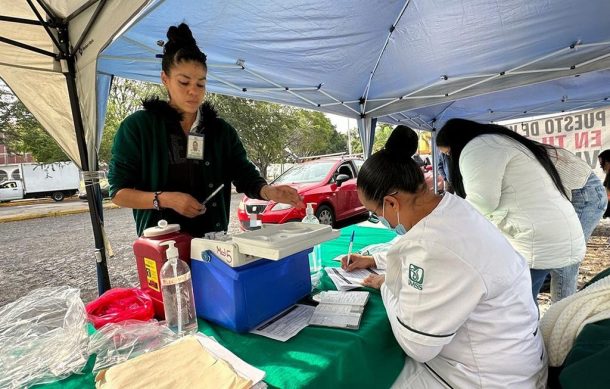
(162,228)
(276,241)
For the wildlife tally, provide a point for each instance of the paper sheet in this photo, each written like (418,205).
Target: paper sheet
(337,309)
(338,321)
(344,298)
(219,351)
(287,324)
(344,280)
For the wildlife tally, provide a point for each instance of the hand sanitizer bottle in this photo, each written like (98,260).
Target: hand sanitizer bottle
(177,291)
(310,217)
(255,224)
(315,257)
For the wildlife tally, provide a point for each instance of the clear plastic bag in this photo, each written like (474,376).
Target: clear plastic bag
(117,342)
(43,337)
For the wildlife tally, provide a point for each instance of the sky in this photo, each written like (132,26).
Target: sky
(341,122)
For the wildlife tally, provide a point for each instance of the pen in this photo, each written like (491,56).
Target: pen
(349,250)
(213,194)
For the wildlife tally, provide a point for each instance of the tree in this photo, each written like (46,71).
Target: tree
(314,134)
(267,129)
(382,133)
(23,133)
(124,99)
(262,127)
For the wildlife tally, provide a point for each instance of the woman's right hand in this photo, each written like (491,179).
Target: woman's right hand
(183,203)
(357,261)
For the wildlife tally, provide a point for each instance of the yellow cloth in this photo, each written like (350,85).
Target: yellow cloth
(184,364)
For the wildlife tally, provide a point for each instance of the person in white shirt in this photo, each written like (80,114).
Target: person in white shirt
(588,197)
(457,294)
(512,181)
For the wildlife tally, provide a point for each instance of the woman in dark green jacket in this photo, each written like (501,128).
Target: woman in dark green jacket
(169,157)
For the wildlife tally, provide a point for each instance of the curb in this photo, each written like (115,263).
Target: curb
(37,215)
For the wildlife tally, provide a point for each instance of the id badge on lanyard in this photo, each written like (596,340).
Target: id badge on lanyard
(194,147)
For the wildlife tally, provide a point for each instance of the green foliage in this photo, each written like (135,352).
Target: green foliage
(267,129)
(125,98)
(22,132)
(314,134)
(382,133)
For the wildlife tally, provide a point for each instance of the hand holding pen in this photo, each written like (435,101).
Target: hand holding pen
(213,194)
(210,197)
(358,261)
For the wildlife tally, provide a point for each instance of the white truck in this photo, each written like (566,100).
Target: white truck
(56,180)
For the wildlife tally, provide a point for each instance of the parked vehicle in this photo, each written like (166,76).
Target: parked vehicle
(56,180)
(329,183)
(428,176)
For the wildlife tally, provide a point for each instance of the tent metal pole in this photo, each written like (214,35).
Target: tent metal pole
(46,24)
(94,198)
(85,32)
(434,161)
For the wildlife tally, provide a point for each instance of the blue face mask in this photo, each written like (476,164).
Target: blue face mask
(399,229)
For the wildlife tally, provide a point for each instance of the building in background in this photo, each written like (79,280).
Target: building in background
(8,157)
(9,162)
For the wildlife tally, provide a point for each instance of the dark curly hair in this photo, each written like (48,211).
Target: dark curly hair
(181,46)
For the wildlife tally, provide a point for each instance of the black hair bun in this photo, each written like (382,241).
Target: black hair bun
(179,37)
(402,143)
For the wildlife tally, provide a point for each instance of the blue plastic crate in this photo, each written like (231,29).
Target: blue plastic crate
(243,297)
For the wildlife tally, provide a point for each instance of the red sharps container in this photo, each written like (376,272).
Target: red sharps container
(150,257)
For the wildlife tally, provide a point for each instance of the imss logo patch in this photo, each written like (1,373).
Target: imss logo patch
(416,276)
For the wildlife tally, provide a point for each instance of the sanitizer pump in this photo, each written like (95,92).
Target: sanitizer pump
(177,290)
(310,217)
(315,258)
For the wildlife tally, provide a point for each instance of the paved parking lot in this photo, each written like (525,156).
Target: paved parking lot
(58,250)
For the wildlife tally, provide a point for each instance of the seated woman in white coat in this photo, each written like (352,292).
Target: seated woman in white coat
(512,181)
(458,296)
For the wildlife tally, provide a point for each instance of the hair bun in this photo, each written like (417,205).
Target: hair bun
(179,37)
(402,142)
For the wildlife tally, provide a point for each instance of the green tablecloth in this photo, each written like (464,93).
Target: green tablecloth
(317,357)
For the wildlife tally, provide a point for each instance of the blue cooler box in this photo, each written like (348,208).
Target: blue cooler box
(240,298)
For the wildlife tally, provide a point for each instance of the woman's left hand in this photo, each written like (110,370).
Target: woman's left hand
(374,281)
(282,194)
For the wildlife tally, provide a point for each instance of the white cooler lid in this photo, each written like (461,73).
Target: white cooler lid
(277,241)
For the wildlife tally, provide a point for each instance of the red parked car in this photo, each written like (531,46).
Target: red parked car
(329,183)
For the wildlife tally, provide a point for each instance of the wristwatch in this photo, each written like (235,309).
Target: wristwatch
(156,201)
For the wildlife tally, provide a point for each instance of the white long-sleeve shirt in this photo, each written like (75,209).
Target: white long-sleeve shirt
(505,182)
(459,298)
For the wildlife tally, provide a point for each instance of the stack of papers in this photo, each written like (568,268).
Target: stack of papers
(344,280)
(340,309)
(287,324)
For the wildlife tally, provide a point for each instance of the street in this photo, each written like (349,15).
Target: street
(53,251)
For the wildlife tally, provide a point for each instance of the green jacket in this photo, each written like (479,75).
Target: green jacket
(140,161)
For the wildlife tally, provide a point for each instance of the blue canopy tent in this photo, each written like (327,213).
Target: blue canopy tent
(415,62)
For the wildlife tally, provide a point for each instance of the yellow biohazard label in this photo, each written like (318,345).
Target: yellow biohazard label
(152,278)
